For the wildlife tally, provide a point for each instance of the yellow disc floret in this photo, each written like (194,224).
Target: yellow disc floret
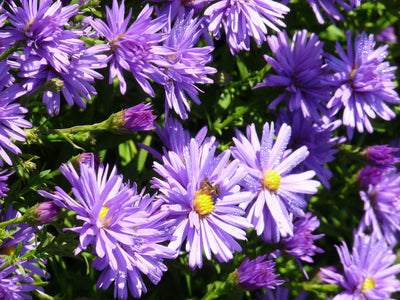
(203,203)
(271,180)
(8,250)
(102,215)
(369,284)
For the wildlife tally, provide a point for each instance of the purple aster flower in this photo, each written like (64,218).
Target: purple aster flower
(202,194)
(301,244)
(387,35)
(12,119)
(319,139)
(301,71)
(244,19)
(368,272)
(14,285)
(39,26)
(382,207)
(381,156)
(22,237)
(124,234)
(370,175)
(131,47)
(184,64)
(281,294)
(151,229)
(276,190)
(257,274)
(363,83)
(75,83)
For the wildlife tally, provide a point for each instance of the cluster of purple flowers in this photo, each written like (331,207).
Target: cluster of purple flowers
(207,198)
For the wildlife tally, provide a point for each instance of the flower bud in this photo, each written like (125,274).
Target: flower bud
(42,213)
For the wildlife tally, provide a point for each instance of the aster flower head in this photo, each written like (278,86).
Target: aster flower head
(244,19)
(301,71)
(124,234)
(301,244)
(387,35)
(12,282)
(39,26)
(131,45)
(183,64)
(368,271)
(363,83)
(381,156)
(257,274)
(276,190)
(12,115)
(382,207)
(319,139)
(75,83)
(14,285)
(202,194)
(370,175)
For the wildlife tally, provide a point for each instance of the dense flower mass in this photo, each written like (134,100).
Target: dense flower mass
(244,19)
(301,71)
(276,190)
(124,234)
(369,271)
(130,45)
(202,194)
(363,82)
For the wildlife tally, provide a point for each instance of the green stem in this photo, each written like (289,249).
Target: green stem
(216,293)
(80,128)
(9,51)
(12,222)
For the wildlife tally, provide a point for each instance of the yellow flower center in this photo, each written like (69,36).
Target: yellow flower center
(8,251)
(271,180)
(102,215)
(205,198)
(203,203)
(369,284)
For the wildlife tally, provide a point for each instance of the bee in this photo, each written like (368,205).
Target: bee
(209,188)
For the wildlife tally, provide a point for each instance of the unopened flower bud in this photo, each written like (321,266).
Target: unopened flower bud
(381,155)
(42,213)
(136,118)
